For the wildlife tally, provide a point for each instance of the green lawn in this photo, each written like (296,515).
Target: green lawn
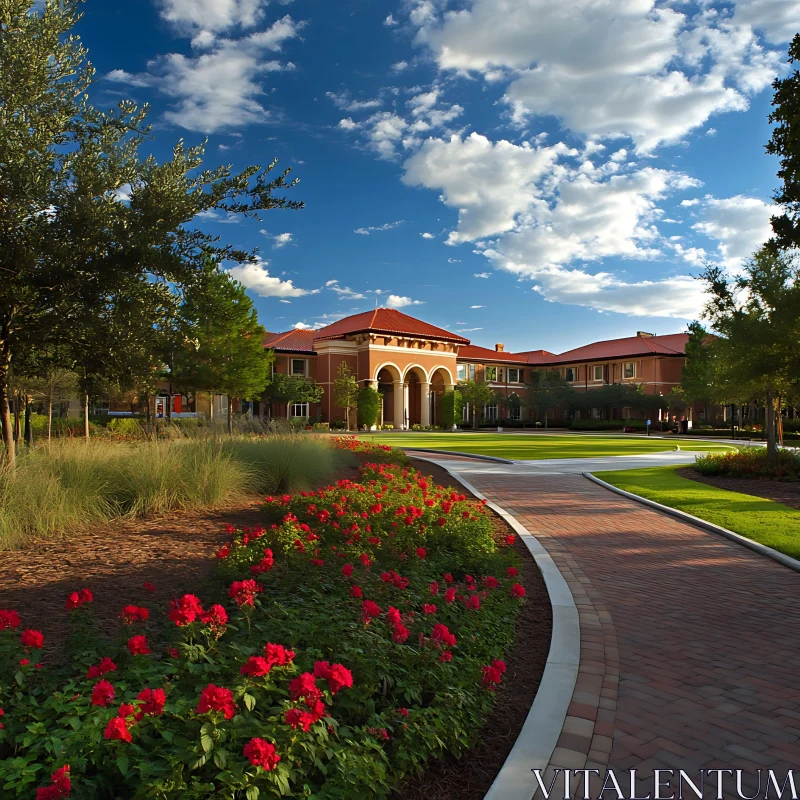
(764,521)
(538,446)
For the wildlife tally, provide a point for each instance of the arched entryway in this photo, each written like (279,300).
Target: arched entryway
(416,387)
(388,380)
(441,381)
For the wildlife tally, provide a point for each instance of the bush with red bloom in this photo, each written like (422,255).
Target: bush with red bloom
(369,610)
(278,655)
(429,608)
(102,693)
(304,685)
(490,582)
(266,563)
(446,656)
(512,572)
(117,729)
(450,595)
(393,616)
(421,552)
(151,702)
(355,591)
(2,714)
(138,646)
(131,614)
(105,665)
(434,587)
(400,633)
(518,590)
(261,753)
(186,610)
(510,539)
(347,570)
(473,602)
(499,665)
(60,785)
(244,592)
(77,599)
(8,619)
(492,676)
(32,640)
(256,666)
(448,578)
(442,636)
(215,618)
(216,698)
(148,587)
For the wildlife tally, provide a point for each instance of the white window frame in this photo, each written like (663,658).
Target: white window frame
(625,365)
(574,371)
(595,369)
(303,407)
(304,362)
(514,375)
(461,372)
(490,413)
(491,374)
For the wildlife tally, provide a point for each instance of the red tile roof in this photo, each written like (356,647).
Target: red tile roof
(474,353)
(294,341)
(387,320)
(673,344)
(537,356)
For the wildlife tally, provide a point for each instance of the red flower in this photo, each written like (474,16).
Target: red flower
(339,677)
(347,570)
(266,563)
(490,582)
(223,552)
(365,559)
(441,522)
(429,608)
(421,552)
(8,619)
(186,610)
(32,639)
(518,590)
(131,614)
(499,664)
(403,712)
(369,610)
(262,754)
(448,578)
(355,591)
(216,698)
(277,655)
(152,702)
(450,595)
(117,728)
(105,665)
(393,616)
(512,572)
(491,677)
(510,539)
(446,656)
(244,592)
(434,587)
(2,713)
(216,617)
(138,646)
(442,636)
(102,693)
(400,633)
(474,602)
(77,599)
(61,785)
(148,587)
(256,666)
(317,562)
(304,685)
(300,718)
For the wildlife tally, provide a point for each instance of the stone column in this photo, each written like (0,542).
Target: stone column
(399,405)
(425,403)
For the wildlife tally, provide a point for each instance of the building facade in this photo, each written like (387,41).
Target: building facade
(412,364)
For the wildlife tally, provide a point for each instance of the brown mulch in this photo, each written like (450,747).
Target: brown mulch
(469,777)
(175,553)
(786,492)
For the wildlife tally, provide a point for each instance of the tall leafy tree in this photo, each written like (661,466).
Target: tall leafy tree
(345,390)
(785,144)
(285,390)
(547,391)
(477,394)
(80,211)
(223,350)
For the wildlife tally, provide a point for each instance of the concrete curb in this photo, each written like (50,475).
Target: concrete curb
(473,456)
(762,549)
(539,735)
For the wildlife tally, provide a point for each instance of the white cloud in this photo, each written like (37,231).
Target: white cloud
(490,184)
(212,215)
(390,21)
(387,226)
(740,225)
(477,306)
(427,235)
(711,132)
(344,101)
(398,301)
(344,292)
(386,131)
(399,66)
(213,15)
(303,326)
(453,260)
(257,278)
(347,124)
(285,301)
(468,330)
(483,274)
(607,69)
(219,89)
(278,240)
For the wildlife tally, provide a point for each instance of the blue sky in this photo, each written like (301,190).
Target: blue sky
(521,171)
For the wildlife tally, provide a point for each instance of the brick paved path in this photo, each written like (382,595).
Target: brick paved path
(690,644)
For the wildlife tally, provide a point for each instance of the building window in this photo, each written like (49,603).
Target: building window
(627,413)
(514,375)
(461,372)
(596,413)
(300,410)
(629,369)
(597,372)
(490,413)
(491,373)
(570,374)
(465,413)
(299,366)
(514,410)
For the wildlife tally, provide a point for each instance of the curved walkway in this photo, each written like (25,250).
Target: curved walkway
(689,642)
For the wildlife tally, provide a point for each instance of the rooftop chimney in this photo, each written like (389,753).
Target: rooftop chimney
(644,334)
(499,348)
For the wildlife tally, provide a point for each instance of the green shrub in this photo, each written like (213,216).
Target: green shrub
(125,426)
(374,684)
(369,406)
(750,462)
(321,426)
(452,405)
(607,424)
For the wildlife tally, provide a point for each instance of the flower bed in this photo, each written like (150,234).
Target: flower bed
(360,633)
(750,462)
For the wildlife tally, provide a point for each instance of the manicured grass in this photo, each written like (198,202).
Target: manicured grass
(764,521)
(538,446)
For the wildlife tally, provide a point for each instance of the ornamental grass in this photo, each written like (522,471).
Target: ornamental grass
(355,635)
(68,485)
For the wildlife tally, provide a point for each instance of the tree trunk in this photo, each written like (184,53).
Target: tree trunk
(230,415)
(86,417)
(28,428)
(49,416)
(169,405)
(5,410)
(779,420)
(772,447)
(211,409)
(17,428)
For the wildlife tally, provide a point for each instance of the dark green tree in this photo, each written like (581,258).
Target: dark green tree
(285,390)
(369,406)
(547,390)
(785,144)
(452,406)
(345,391)
(477,394)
